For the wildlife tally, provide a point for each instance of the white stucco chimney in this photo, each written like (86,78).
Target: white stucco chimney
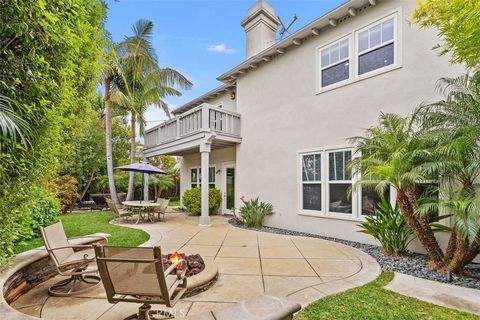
(260,26)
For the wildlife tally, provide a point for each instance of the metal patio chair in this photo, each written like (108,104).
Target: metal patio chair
(136,275)
(74,265)
(162,209)
(120,213)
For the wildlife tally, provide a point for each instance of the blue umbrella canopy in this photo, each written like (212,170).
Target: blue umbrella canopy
(142,167)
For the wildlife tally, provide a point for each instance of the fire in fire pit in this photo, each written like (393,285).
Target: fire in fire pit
(175,257)
(195,263)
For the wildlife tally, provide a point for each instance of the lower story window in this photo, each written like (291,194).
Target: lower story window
(196,177)
(340,182)
(370,200)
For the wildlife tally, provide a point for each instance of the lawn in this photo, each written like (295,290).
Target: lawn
(174,203)
(371,301)
(80,224)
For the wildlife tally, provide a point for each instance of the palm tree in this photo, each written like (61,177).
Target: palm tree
(108,73)
(143,82)
(454,124)
(391,155)
(12,126)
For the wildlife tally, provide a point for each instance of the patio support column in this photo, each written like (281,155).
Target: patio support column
(205,153)
(205,148)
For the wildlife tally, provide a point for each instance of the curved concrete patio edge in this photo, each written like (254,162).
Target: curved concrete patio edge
(439,293)
(22,260)
(369,271)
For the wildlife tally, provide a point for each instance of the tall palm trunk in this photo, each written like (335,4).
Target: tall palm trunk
(133,135)
(108,138)
(431,245)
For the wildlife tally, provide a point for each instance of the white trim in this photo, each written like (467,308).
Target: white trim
(397,15)
(395,41)
(223,186)
(199,177)
(325,182)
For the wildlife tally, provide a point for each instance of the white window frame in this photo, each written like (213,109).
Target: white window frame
(325,180)
(353,52)
(321,68)
(198,183)
(351,182)
(321,182)
(395,47)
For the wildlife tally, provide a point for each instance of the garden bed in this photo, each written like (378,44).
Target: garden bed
(413,264)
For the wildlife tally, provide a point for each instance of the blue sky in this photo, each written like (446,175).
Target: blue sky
(201,38)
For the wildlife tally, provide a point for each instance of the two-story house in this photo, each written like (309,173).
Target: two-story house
(278,127)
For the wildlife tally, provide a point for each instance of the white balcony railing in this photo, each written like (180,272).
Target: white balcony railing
(203,118)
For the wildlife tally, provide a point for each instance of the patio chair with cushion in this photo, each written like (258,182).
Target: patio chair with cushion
(136,275)
(162,209)
(74,265)
(121,213)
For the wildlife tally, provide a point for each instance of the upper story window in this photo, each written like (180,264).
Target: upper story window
(364,52)
(335,63)
(376,46)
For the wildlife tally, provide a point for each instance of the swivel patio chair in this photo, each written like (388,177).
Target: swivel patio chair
(162,209)
(74,265)
(120,213)
(136,275)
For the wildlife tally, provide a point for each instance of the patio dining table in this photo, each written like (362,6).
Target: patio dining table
(144,209)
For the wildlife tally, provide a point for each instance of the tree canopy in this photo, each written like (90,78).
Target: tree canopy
(457,22)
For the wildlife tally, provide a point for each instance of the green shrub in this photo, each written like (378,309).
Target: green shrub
(65,189)
(192,200)
(253,212)
(389,227)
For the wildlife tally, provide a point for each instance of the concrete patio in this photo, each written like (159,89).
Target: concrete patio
(249,263)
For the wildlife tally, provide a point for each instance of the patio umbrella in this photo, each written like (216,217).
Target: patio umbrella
(142,167)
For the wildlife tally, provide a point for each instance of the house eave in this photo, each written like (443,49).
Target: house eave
(315,28)
(203,98)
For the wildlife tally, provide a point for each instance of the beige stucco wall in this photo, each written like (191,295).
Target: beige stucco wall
(282,114)
(225,101)
(217,158)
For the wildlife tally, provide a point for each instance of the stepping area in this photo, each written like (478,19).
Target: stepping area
(250,263)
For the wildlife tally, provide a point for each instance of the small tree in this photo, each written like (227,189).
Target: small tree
(457,23)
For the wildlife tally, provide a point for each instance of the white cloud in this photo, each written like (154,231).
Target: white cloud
(222,48)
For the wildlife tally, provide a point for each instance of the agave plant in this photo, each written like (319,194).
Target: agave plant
(389,227)
(254,211)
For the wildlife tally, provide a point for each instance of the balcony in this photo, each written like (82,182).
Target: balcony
(183,134)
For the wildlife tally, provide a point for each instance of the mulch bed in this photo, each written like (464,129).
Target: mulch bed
(413,264)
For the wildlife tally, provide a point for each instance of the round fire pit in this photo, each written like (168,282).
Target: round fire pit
(195,263)
(201,276)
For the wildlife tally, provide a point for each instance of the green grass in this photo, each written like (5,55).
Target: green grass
(371,301)
(80,224)
(174,203)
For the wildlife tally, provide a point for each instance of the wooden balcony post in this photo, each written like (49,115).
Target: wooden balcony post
(205,117)
(177,123)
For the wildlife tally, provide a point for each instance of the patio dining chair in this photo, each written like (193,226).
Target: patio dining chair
(162,208)
(136,275)
(74,265)
(120,213)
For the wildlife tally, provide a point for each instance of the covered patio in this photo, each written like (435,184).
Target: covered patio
(249,263)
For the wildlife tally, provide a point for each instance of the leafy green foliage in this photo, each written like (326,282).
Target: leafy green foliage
(372,301)
(49,53)
(65,189)
(457,23)
(389,227)
(192,200)
(254,211)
